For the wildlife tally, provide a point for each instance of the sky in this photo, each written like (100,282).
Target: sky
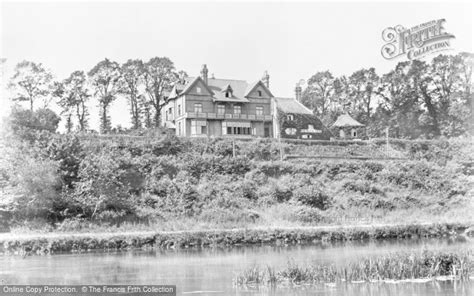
(239,40)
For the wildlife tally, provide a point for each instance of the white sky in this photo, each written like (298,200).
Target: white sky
(236,40)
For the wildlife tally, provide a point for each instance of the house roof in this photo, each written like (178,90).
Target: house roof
(291,105)
(345,120)
(218,87)
(192,82)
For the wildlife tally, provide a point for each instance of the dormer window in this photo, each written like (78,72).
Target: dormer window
(290,117)
(227,90)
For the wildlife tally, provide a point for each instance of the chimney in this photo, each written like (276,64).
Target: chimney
(204,72)
(298,91)
(266,79)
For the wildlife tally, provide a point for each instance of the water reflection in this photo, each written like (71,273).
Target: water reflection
(212,269)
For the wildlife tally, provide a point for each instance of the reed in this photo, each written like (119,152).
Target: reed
(395,266)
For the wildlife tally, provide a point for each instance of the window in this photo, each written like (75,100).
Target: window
(310,127)
(179,128)
(198,107)
(237,110)
(290,131)
(306,136)
(236,128)
(179,109)
(354,133)
(259,93)
(259,110)
(290,117)
(220,109)
(198,90)
(198,127)
(228,94)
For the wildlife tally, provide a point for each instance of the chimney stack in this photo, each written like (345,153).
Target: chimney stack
(298,91)
(266,79)
(204,72)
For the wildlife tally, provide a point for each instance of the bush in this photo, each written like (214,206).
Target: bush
(36,188)
(102,185)
(363,187)
(311,195)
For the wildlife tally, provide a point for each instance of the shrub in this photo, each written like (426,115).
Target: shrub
(36,187)
(102,185)
(363,187)
(311,195)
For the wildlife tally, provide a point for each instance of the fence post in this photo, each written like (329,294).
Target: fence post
(233,148)
(281,148)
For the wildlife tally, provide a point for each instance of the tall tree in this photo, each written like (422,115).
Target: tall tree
(73,96)
(400,102)
(319,92)
(132,76)
(362,85)
(31,81)
(159,75)
(105,78)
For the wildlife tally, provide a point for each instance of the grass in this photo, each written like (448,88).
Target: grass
(395,266)
(52,243)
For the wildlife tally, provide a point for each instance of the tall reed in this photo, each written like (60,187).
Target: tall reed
(395,266)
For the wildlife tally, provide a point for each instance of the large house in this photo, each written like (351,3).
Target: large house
(203,106)
(209,107)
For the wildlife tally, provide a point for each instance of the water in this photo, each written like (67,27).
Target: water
(211,270)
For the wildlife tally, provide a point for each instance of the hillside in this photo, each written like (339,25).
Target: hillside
(70,183)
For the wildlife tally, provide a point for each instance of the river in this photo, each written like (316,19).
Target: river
(209,271)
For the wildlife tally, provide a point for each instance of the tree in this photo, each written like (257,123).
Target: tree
(362,84)
(317,95)
(159,75)
(105,78)
(21,120)
(31,81)
(132,74)
(73,96)
(400,102)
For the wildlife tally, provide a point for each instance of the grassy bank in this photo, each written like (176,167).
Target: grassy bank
(64,183)
(52,243)
(392,267)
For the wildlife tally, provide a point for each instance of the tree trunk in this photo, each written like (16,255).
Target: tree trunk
(104,120)
(432,112)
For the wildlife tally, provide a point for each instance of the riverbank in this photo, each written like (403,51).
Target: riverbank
(53,243)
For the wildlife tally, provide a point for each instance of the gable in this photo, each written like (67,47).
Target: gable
(199,89)
(259,91)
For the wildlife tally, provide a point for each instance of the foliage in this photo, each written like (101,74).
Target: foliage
(132,75)
(158,75)
(393,266)
(105,79)
(415,99)
(102,187)
(31,81)
(24,123)
(73,96)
